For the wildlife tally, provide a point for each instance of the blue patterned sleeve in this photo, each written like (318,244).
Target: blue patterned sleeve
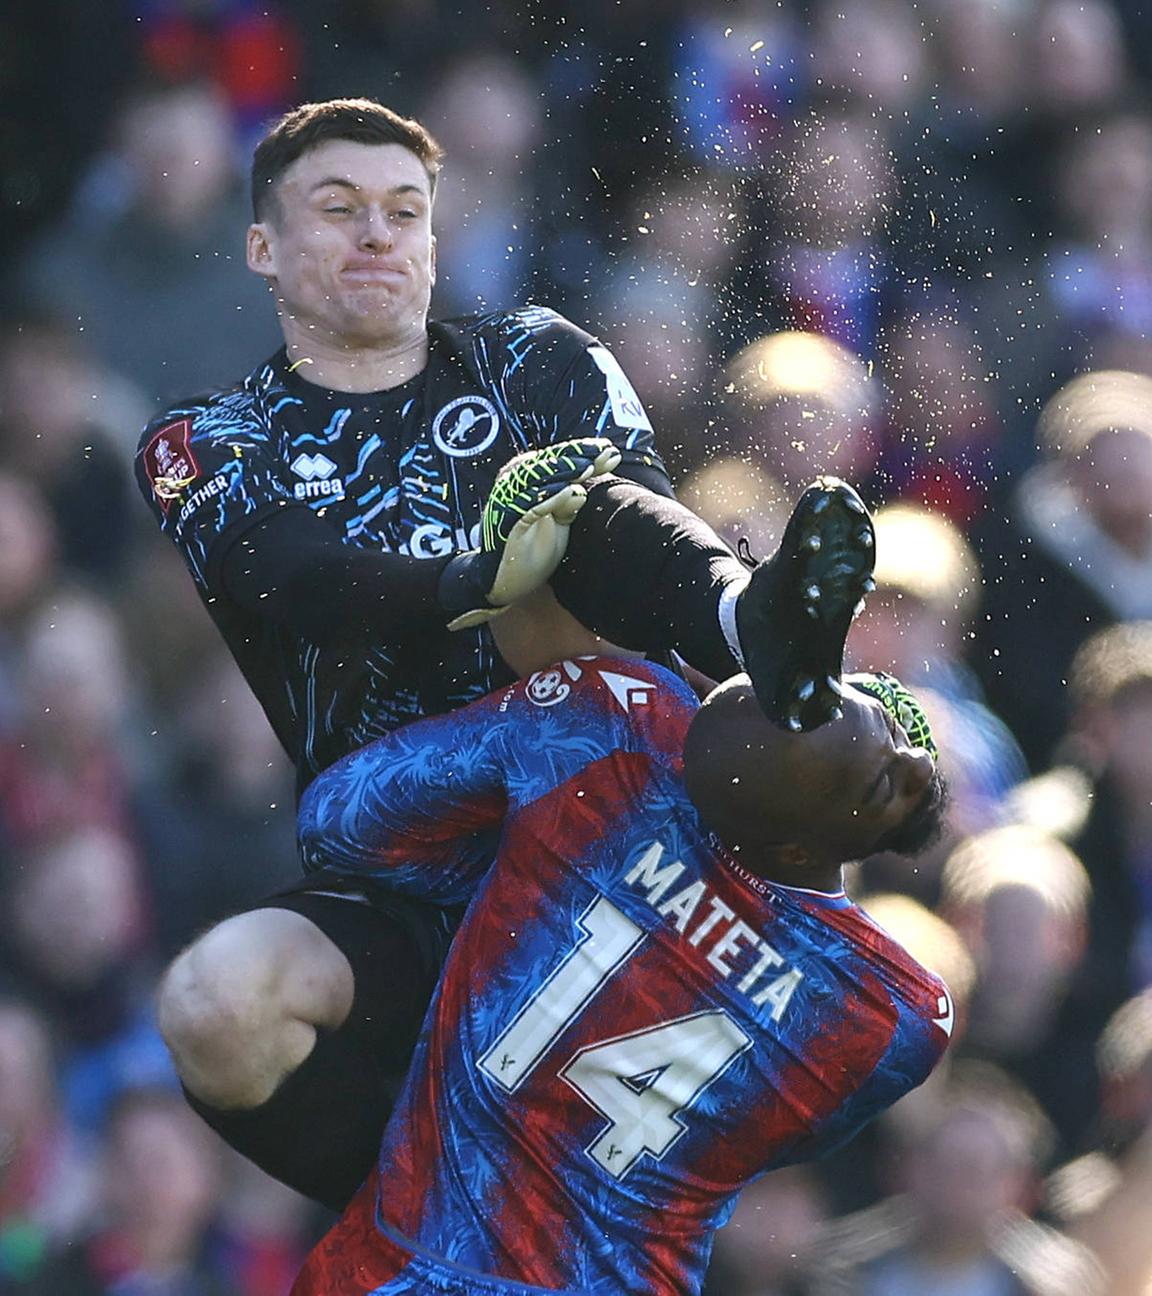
(420,810)
(209,470)
(565,383)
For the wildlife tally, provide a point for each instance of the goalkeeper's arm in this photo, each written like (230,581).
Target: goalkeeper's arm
(291,569)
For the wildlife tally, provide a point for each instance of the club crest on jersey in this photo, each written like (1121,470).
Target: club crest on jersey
(546,688)
(170,463)
(318,481)
(466,426)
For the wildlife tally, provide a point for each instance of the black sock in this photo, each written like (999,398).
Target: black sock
(320,1131)
(647,573)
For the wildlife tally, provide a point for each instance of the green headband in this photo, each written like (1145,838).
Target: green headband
(901,704)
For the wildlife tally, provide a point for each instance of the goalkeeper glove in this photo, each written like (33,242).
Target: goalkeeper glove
(524,529)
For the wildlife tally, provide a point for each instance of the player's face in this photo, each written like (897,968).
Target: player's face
(874,786)
(348,245)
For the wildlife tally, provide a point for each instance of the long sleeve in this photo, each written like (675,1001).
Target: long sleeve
(421,810)
(418,810)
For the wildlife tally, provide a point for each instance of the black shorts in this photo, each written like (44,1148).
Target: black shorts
(320,1131)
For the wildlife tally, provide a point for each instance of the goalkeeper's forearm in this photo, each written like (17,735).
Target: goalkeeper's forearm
(291,569)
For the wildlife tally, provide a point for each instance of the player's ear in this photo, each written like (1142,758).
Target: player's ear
(261,250)
(432,262)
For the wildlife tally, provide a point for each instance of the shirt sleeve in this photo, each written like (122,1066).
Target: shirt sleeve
(923,1030)
(420,810)
(208,472)
(571,385)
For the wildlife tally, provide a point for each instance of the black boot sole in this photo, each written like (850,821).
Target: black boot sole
(794,617)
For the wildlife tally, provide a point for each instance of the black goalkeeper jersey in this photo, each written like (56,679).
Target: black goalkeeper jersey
(403,471)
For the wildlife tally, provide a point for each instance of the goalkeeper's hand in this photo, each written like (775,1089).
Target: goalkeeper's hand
(524,530)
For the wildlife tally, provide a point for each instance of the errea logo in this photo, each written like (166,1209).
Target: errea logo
(316,470)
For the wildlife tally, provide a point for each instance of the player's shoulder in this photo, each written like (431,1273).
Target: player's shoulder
(644,704)
(239,407)
(609,676)
(918,994)
(531,326)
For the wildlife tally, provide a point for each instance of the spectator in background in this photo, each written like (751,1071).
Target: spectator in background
(51,430)
(1104,1198)
(662,301)
(1020,900)
(72,937)
(64,66)
(356,47)
(264,1230)
(486,114)
(78,755)
(160,1180)
(877,54)
(249,51)
(961,165)
(1083,297)
(157,284)
(817,255)
(798,404)
(1071,553)
(27,566)
(45,1169)
(168,652)
(1098,272)
(941,421)
(1111,685)
(1081,1186)
(236,783)
(67,763)
(765,1247)
(736,71)
(1080,64)
(960,1226)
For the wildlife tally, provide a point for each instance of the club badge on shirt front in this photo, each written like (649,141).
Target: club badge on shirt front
(466,426)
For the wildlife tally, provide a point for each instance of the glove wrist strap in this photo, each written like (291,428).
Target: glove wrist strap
(465,581)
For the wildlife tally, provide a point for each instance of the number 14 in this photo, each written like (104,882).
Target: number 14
(640,1082)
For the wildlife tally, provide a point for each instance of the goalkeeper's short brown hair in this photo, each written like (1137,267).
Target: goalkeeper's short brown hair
(363,121)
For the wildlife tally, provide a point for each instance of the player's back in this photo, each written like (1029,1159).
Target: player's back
(630,1027)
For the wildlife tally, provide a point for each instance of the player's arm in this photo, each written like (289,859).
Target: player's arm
(217,488)
(641,570)
(570,385)
(418,810)
(211,475)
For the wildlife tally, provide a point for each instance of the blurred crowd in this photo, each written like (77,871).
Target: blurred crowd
(905,241)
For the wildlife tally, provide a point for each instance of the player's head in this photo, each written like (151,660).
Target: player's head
(848,789)
(342,198)
(358,121)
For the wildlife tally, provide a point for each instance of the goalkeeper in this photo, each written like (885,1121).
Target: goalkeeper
(329,508)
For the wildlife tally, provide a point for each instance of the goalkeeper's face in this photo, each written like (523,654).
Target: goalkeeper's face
(348,245)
